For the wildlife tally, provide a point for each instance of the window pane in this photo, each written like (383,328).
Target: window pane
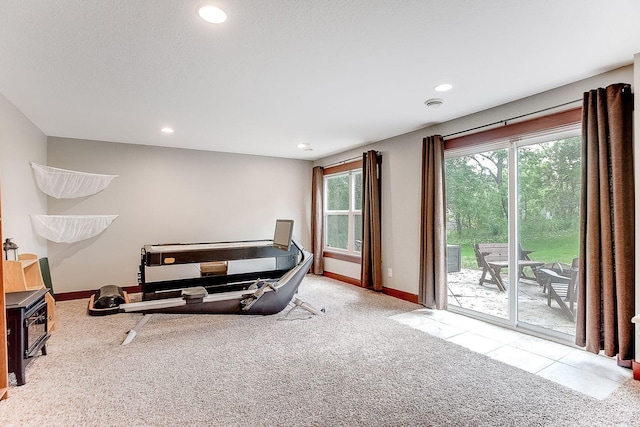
(357,233)
(549,179)
(338,193)
(337,231)
(357,191)
(477,213)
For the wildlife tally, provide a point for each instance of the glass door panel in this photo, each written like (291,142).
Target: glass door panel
(477,232)
(548,226)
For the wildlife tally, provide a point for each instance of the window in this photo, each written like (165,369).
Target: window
(343,210)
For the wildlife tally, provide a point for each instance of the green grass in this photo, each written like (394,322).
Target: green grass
(551,249)
(558,248)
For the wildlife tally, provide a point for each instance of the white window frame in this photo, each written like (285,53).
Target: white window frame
(351,213)
(512,144)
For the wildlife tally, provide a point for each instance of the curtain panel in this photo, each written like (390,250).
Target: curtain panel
(432,291)
(606,273)
(317,220)
(371,264)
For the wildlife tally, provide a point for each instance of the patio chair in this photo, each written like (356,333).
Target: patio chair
(562,288)
(559,268)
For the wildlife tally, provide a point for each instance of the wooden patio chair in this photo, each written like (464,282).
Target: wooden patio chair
(562,288)
(559,268)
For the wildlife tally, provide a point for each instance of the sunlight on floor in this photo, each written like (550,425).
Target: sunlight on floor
(594,375)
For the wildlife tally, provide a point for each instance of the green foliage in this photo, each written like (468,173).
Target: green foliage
(549,187)
(477,201)
(548,199)
(357,196)
(559,248)
(337,231)
(338,192)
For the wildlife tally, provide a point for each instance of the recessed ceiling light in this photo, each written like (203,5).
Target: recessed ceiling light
(166,130)
(212,14)
(305,146)
(433,102)
(443,87)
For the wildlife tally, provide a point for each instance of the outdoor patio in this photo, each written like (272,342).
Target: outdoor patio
(465,291)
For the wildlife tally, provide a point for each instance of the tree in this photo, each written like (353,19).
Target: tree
(548,179)
(476,194)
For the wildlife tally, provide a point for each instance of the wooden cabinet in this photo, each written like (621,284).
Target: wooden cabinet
(25,275)
(4,368)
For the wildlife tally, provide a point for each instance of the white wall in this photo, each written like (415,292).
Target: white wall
(401,175)
(170,195)
(181,195)
(21,142)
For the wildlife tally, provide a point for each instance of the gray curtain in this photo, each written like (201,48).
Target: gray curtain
(317,199)
(606,273)
(371,265)
(432,290)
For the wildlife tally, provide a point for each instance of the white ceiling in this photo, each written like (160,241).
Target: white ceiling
(333,73)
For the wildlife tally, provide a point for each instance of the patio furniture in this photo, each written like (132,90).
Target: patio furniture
(562,288)
(493,257)
(559,268)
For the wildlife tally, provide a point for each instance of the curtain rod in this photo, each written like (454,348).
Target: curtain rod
(341,162)
(475,128)
(512,118)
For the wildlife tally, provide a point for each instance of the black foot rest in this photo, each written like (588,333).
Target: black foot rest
(109,296)
(195,294)
(107,300)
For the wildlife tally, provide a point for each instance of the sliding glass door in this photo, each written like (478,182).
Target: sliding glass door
(477,214)
(512,231)
(548,224)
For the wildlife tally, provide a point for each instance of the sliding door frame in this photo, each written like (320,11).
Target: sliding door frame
(513,145)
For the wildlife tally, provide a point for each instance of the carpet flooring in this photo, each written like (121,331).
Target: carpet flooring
(352,366)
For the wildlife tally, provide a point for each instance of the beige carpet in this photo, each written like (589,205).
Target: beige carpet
(350,367)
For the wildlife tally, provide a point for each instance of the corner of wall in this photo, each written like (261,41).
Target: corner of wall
(636,161)
(21,142)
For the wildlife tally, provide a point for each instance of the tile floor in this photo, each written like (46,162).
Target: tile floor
(594,375)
